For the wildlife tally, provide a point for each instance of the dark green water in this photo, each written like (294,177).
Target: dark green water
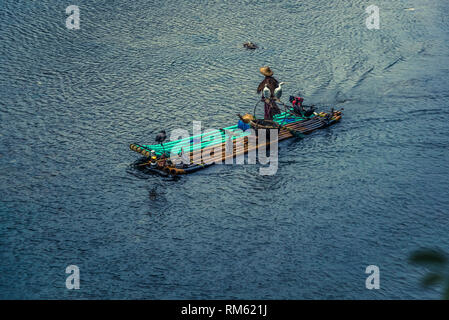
(367,191)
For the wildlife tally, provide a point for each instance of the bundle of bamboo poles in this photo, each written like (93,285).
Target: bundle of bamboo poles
(205,150)
(210,138)
(241,145)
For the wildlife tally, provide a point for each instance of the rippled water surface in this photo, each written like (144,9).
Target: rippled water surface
(368,190)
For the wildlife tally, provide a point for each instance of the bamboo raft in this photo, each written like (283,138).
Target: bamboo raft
(200,151)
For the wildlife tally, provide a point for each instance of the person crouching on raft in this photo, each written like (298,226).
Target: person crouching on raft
(271,107)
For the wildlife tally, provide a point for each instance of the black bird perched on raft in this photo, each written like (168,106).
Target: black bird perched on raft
(309,112)
(160,138)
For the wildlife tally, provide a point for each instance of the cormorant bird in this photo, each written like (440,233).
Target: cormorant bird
(250,45)
(278,91)
(266,92)
(153,194)
(309,112)
(160,138)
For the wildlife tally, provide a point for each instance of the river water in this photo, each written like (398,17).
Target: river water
(367,191)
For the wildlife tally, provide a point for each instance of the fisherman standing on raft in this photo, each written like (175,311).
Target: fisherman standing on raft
(271,107)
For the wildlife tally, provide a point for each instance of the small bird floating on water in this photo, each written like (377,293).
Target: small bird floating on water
(250,45)
(153,194)
(278,91)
